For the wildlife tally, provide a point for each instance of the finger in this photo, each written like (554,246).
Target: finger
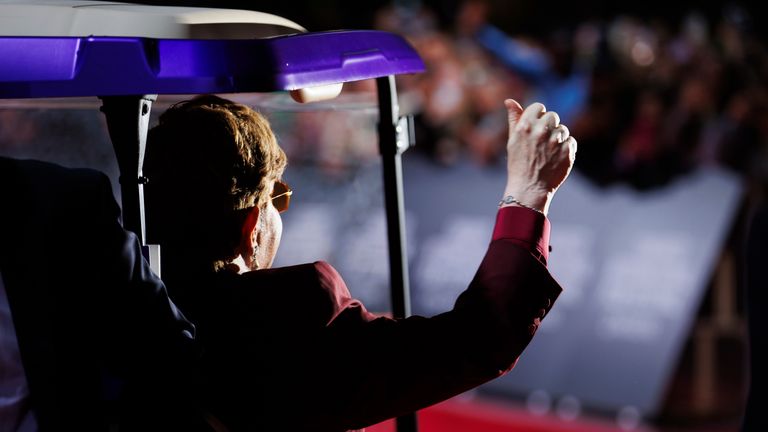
(560,133)
(531,115)
(572,145)
(514,111)
(551,120)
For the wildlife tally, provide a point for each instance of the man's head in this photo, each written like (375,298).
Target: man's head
(211,165)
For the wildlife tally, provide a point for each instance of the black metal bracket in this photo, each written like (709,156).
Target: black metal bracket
(128,124)
(395,136)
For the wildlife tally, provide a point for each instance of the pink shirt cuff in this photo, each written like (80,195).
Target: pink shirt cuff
(524,226)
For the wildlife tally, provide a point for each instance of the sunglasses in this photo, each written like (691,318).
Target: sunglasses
(281,196)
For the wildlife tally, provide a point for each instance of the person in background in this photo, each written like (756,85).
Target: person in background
(557,77)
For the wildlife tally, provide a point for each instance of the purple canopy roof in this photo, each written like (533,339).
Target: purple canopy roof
(104,66)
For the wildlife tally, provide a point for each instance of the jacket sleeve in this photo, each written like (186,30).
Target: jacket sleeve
(374,368)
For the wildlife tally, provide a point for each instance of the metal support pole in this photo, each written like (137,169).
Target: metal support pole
(128,123)
(391,149)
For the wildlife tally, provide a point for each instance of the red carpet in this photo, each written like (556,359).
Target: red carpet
(487,416)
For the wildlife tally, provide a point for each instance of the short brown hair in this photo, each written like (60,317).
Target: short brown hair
(207,159)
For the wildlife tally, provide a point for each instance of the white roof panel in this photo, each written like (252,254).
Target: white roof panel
(91,18)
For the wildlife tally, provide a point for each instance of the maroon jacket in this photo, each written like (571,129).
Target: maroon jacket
(290,349)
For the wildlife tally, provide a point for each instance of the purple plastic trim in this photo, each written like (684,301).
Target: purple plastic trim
(106,66)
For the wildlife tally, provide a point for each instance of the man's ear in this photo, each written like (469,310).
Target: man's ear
(248,232)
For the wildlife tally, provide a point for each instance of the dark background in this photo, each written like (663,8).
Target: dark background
(515,16)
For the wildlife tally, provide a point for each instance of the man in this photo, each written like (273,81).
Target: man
(289,348)
(89,338)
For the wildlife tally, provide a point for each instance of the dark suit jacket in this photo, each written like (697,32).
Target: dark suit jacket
(757,304)
(290,349)
(100,340)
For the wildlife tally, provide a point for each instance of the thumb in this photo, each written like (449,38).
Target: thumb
(514,111)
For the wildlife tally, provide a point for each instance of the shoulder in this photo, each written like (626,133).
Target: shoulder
(309,276)
(31,178)
(314,291)
(47,201)
(31,167)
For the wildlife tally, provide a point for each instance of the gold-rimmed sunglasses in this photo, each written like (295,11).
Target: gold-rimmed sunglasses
(281,196)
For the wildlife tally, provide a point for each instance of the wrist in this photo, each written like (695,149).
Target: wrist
(511,201)
(527,197)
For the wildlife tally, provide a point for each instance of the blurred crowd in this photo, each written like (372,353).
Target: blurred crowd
(648,100)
